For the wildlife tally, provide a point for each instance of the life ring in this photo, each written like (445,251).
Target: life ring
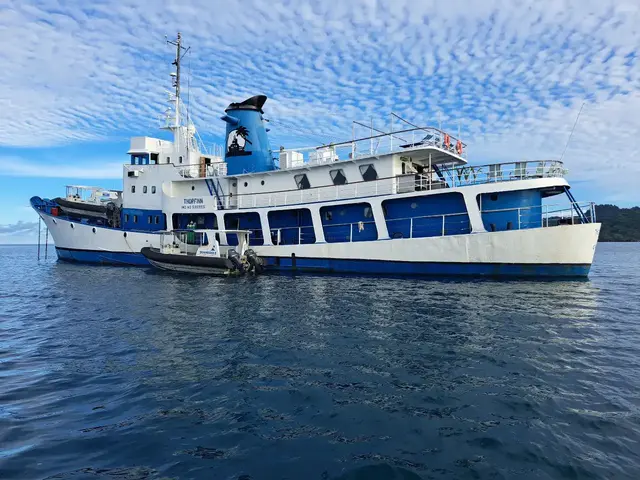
(459,147)
(447,140)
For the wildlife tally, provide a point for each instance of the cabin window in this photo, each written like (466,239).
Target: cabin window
(168,159)
(302,181)
(154,157)
(368,172)
(149,219)
(135,219)
(153,189)
(157,219)
(126,218)
(133,189)
(338,177)
(179,159)
(144,189)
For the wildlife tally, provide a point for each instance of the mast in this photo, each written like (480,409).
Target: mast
(176,75)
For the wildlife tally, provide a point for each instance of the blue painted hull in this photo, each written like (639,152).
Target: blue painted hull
(366,267)
(381,267)
(102,258)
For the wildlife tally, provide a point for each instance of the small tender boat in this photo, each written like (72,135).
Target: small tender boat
(199,251)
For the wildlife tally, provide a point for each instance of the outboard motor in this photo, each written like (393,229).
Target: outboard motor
(255,262)
(247,146)
(235,259)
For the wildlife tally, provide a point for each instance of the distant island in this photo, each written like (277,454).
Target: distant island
(618,224)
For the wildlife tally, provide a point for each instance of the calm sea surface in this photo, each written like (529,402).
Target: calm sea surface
(126,373)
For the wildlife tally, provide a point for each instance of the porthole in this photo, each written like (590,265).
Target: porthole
(93,229)
(414,205)
(262,182)
(125,234)
(193,187)
(246,184)
(71,224)
(235,184)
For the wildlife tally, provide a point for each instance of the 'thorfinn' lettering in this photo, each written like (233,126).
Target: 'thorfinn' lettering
(193,204)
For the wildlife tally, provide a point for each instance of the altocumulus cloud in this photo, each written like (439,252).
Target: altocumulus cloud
(510,75)
(21,228)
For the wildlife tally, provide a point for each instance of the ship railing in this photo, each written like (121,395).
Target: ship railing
(446,178)
(541,216)
(202,170)
(547,215)
(383,144)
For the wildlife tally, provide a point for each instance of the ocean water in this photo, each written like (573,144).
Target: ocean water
(126,373)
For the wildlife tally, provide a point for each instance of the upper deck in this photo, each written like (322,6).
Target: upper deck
(444,178)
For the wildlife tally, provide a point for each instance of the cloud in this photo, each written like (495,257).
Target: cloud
(19,228)
(511,75)
(19,167)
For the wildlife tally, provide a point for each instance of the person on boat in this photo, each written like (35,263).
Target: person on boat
(191,236)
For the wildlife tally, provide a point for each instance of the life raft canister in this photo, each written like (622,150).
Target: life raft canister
(459,147)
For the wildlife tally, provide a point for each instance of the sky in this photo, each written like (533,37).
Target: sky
(79,78)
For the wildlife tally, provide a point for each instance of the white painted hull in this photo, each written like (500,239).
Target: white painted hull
(566,245)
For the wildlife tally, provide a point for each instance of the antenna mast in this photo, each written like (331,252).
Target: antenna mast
(176,76)
(571,134)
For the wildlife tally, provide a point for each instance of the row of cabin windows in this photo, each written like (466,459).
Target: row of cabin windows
(151,219)
(144,189)
(338,177)
(142,159)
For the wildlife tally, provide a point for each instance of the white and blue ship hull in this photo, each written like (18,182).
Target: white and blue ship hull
(560,251)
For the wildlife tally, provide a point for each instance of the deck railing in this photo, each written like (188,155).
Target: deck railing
(450,177)
(386,143)
(541,216)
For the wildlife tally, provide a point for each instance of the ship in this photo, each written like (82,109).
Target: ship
(398,201)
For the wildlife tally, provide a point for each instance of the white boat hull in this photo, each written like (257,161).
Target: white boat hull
(565,250)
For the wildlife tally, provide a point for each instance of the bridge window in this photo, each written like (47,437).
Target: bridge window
(157,219)
(368,172)
(179,159)
(338,177)
(126,218)
(135,219)
(153,189)
(168,159)
(144,189)
(302,181)
(149,220)
(133,189)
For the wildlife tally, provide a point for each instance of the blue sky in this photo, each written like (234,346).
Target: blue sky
(79,78)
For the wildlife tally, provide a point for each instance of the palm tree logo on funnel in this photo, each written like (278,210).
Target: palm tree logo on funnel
(237,142)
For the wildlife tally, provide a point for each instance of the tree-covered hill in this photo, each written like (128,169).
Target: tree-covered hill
(618,224)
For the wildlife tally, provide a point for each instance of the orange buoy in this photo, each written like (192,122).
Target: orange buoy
(447,140)
(459,147)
